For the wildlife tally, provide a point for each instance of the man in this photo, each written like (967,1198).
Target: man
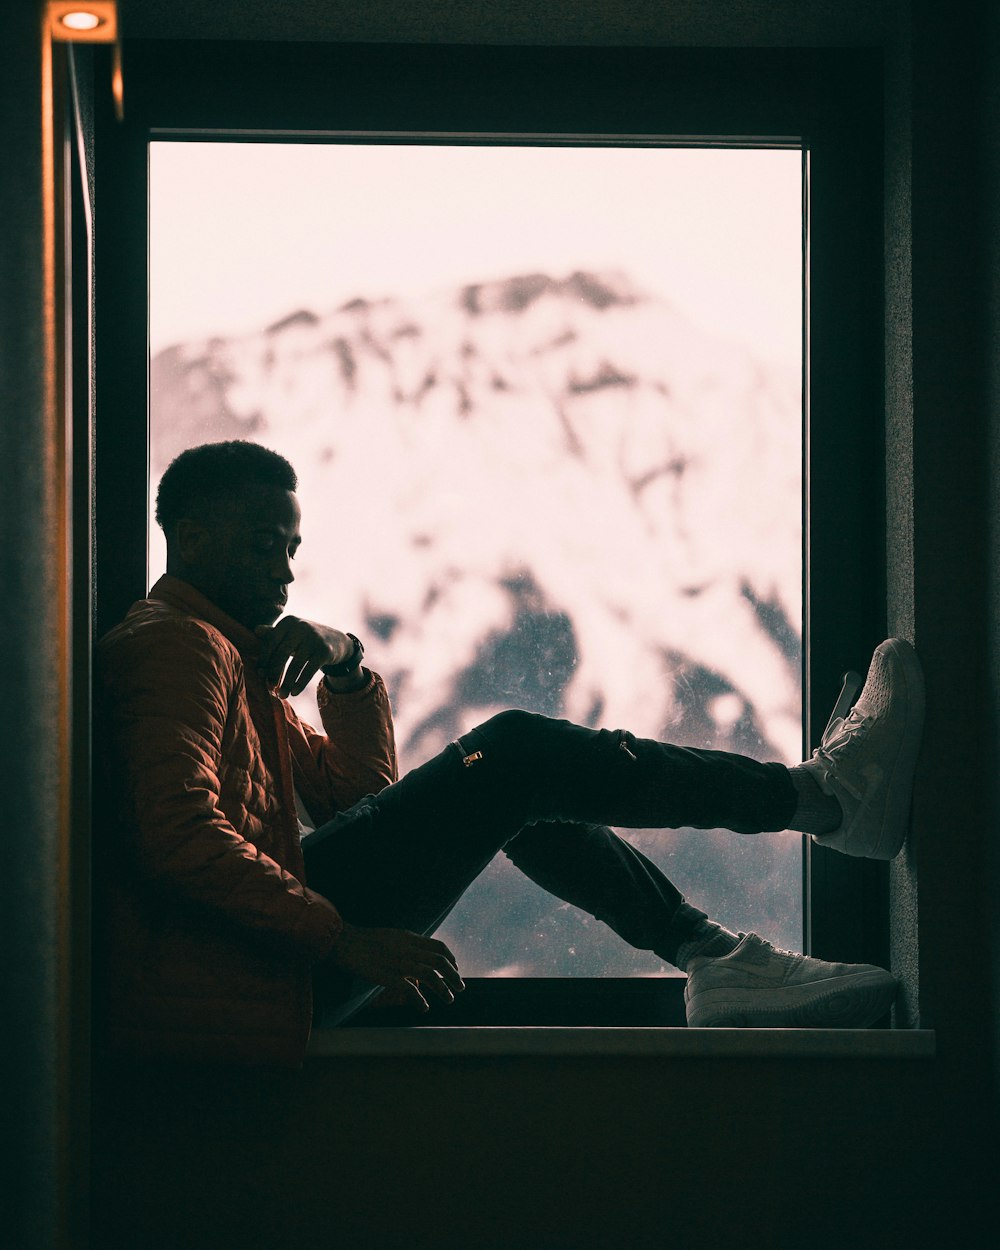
(253,856)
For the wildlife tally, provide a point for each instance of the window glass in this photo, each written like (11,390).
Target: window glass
(545,407)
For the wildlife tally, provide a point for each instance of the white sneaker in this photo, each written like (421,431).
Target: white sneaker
(757,986)
(867,759)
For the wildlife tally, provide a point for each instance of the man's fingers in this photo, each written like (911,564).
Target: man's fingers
(439,946)
(274,657)
(291,653)
(304,678)
(291,663)
(439,971)
(432,982)
(445,964)
(449,975)
(398,959)
(409,994)
(272,636)
(433,964)
(302,667)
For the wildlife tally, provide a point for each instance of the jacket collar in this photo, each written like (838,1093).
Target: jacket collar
(183,596)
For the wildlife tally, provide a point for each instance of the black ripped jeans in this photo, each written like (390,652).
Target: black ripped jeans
(544,791)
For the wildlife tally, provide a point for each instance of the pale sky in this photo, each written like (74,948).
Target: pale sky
(244,233)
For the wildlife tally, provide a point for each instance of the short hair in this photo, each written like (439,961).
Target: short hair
(200,476)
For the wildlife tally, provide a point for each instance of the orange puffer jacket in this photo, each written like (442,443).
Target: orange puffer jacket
(207,932)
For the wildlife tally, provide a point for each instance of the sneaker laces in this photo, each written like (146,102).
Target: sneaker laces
(766,950)
(850,685)
(779,950)
(841,739)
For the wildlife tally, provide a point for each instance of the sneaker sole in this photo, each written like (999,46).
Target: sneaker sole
(852,1002)
(891,834)
(895,822)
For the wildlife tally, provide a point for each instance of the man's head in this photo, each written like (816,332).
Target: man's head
(231,520)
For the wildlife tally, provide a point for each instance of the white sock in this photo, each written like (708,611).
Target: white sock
(707,939)
(816,812)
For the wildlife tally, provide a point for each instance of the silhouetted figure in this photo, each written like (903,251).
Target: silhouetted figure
(251,857)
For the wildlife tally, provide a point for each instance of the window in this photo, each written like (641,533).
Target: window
(552,393)
(803,100)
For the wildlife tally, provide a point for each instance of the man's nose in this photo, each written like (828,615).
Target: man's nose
(282,571)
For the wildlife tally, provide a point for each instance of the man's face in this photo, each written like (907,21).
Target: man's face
(242,557)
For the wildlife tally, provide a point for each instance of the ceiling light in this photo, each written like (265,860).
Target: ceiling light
(80,19)
(83,21)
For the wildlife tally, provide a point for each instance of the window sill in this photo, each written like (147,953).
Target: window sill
(631,1042)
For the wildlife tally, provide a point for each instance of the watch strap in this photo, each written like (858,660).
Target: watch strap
(351,664)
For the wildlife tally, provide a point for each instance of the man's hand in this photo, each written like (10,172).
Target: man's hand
(294,650)
(405,963)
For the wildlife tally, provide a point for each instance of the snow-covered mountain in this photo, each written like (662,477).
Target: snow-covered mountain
(553,493)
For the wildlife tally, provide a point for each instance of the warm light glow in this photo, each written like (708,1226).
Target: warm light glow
(117,85)
(89,21)
(81,20)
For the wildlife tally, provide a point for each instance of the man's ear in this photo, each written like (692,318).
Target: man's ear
(190,538)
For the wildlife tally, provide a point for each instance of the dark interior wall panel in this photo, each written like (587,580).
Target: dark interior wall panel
(723,23)
(943,529)
(618,90)
(991,270)
(903,893)
(544,1154)
(76,1143)
(29,620)
(951,556)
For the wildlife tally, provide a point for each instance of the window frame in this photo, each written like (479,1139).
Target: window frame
(827,101)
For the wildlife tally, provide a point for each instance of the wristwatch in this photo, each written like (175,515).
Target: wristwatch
(351,664)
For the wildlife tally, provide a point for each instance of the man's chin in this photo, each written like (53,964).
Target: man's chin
(257,615)
(269,615)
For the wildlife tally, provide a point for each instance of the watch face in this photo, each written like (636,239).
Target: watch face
(352,662)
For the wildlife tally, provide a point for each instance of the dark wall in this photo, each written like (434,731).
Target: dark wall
(599,1153)
(941,363)
(690,23)
(950,227)
(30,766)
(990,264)
(44,732)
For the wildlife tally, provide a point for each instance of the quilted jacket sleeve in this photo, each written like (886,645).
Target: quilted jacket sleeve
(165,690)
(354,757)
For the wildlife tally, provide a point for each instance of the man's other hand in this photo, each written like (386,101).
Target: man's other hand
(294,650)
(404,963)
